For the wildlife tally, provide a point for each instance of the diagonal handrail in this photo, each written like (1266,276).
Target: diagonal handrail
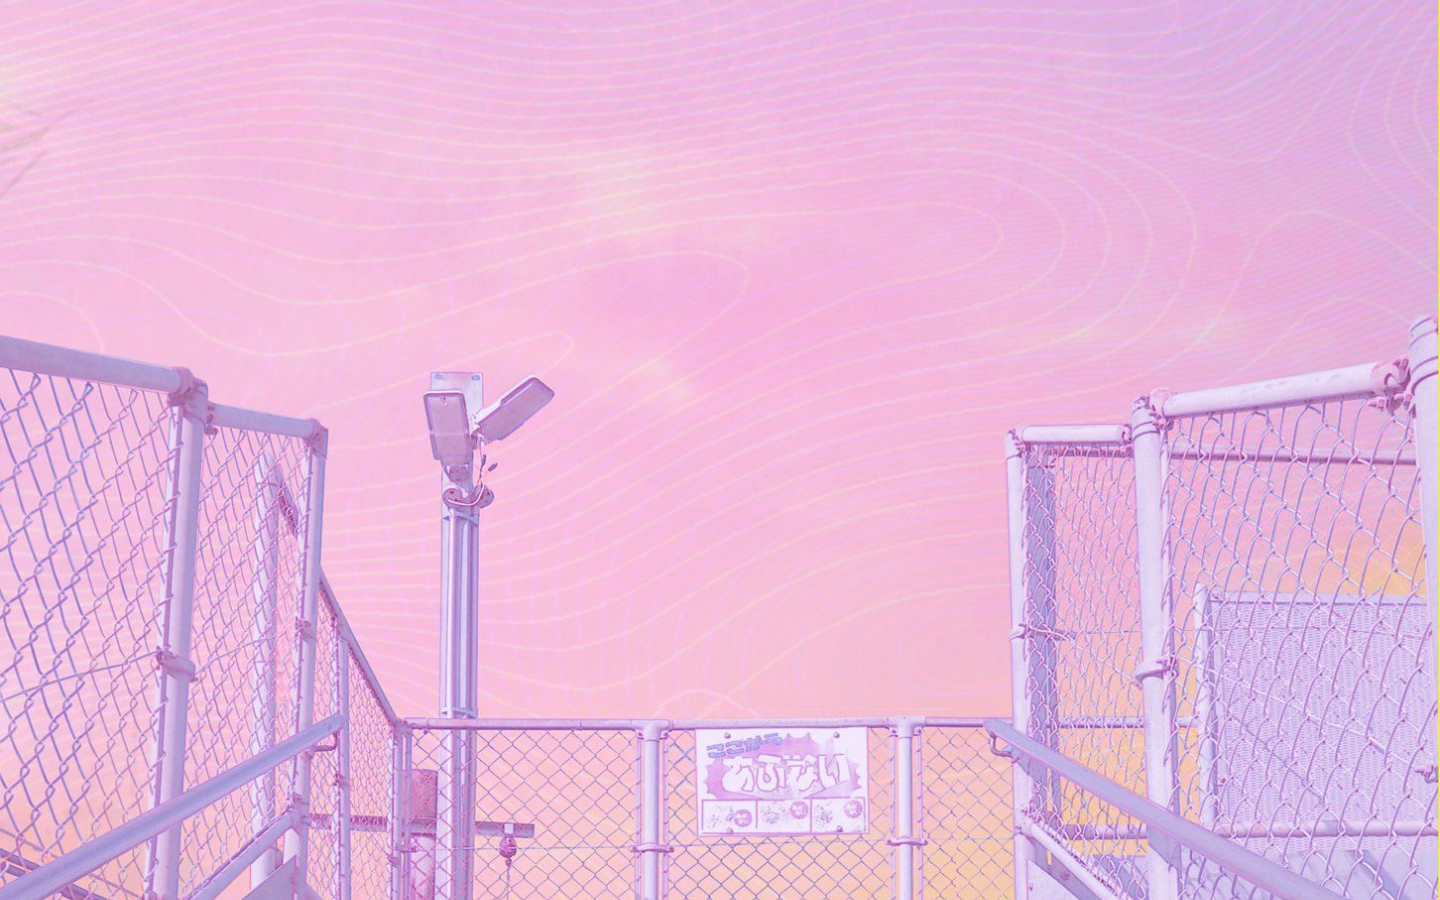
(81,861)
(1158,820)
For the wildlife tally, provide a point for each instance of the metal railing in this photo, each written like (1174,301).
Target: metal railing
(1227,605)
(1168,835)
(164,622)
(148,826)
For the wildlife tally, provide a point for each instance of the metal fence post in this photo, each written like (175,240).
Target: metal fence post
(903,838)
(265,552)
(1026,850)
(297,842)
(1423,422)
(187,443)
(1422,392)
(342,767)
(651,781)
(399,811)
(1156,673)
(1039,614)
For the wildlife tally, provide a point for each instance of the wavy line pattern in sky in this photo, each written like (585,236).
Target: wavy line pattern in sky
(793,268)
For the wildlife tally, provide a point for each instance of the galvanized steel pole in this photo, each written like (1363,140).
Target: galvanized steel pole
(651,780)
(459,662)
(1157,665)
(297,843)
(187,442)
(903,839)
(1023,787)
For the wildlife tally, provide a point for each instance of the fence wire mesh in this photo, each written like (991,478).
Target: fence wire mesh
(1304,641)
(580,789)
(577,788)
(247,603)
(964,816)
(1082,625)
(85,512)
(1298,636)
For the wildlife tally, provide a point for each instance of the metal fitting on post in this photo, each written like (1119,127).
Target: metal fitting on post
(177,665)
(193,399)
(319,440)
(1147,416)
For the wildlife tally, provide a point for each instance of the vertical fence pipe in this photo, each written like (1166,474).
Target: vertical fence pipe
(187,442)
(1422,392)
(1206,674)
(903,839)
(342,767)
(1039,562)
(297,842)
(651,778)
(265,552)
(1024,787)
(399,811)
(1156,672)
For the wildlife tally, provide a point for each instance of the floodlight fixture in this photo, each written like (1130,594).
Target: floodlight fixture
(500,419)
(450,439)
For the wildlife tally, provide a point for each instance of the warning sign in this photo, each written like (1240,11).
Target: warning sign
(782,780)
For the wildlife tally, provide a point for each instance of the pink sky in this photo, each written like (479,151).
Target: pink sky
(792,268)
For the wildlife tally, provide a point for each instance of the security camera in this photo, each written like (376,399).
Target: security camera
(499,420)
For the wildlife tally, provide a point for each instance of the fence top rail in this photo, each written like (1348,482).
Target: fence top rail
(1074,434)
(438,724)
(267,423)
(1365,380)
(347,634)
(1159,821)
(65,362)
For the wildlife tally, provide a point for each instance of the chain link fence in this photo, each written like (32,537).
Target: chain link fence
(1228,607)
(158,591)
(573,794)
(85,515)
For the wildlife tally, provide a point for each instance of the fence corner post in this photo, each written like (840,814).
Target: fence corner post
(1422,389)
(1023,794)
(297,842)
(342,767)
(177,670)
(1156,672)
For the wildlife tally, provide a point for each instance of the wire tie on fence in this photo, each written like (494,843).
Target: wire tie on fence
(1026,631)
(305,627)
(907,842)
(176,665)
(997,750)
(1165,665)
(1158,399)
(652,848)
(1429,773)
